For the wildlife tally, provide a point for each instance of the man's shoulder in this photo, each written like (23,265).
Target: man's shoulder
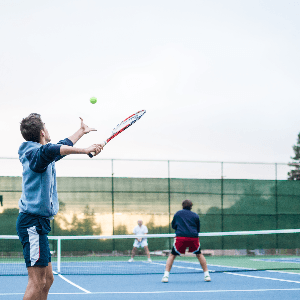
(182,211)
(28,147)
(186,212)
(194,214)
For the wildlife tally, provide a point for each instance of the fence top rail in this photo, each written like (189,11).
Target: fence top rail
(165,235)
(170,160)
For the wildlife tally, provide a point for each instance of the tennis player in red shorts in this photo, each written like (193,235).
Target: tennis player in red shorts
(187,227)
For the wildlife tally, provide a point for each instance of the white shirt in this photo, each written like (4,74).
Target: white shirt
(140,230)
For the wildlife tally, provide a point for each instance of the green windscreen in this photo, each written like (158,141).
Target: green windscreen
(112,205)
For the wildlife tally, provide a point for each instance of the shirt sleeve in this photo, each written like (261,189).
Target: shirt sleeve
(198,224)
(66,142)
(174,226)
(145,229)
(134,231)
(40,158)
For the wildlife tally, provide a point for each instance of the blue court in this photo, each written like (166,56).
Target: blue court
(225,285)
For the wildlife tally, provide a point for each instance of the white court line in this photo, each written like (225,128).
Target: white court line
(230,267)
(238,274)
(163,292)
(282,272)
(199,269)
(260,277)
(72,283)
(177,266)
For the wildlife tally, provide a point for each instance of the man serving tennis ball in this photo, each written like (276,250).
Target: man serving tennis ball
(39,202)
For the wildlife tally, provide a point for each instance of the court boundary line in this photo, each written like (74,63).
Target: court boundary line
(238,274)
(179,267)
(164,292)
(260,277)
(282,272)
(213,265)
(200,268)
(72,283)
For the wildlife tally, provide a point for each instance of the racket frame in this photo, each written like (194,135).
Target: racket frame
(116,132)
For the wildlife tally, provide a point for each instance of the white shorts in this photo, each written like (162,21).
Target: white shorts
(142,244)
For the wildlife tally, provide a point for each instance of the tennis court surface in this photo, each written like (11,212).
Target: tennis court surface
(258,274)
(185,281)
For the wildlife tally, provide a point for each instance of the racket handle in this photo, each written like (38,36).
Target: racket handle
(92,154)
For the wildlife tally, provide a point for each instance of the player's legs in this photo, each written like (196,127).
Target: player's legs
(202,261)
(132,254)
(203,264)
(49,281)
(148,253)
(177,249)
(169,265)
(170,261)
(37,287)
(37,256)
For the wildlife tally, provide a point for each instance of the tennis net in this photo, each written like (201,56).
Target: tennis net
(108,255)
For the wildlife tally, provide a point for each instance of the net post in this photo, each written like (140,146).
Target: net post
(58,254)
(112,202)
(169,200)
(222,202)
(276,204)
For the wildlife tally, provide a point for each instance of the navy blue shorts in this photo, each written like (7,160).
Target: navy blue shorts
(33,234)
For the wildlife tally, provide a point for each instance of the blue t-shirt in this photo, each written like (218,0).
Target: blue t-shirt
(186,223)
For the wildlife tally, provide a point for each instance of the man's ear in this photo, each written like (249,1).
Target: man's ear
(42,134)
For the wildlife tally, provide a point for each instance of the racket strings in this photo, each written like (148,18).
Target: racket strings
(128,122)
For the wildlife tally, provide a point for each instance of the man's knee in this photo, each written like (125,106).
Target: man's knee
(171,257)
(49,280)
(38,282)
(199,255)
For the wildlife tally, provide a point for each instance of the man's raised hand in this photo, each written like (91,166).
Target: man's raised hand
(86,129)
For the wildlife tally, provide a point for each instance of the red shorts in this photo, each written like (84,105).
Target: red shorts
(181,243)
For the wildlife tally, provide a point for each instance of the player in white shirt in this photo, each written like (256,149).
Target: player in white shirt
(140,229)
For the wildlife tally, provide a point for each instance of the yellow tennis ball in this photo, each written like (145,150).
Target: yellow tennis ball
(93,100)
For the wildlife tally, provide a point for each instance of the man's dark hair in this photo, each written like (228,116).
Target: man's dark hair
(31,127)
(187,204)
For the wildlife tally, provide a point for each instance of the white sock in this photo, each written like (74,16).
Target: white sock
(167,274)
(206,273)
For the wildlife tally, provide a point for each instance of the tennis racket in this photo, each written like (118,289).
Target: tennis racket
(121,127)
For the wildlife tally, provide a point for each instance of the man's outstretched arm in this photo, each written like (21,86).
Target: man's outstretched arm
(66,150)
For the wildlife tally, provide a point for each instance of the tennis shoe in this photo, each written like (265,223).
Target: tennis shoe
(149,260)
(207,278)
(130,260)
(165,279)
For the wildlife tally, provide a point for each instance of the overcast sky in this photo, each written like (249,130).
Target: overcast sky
(219,79)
